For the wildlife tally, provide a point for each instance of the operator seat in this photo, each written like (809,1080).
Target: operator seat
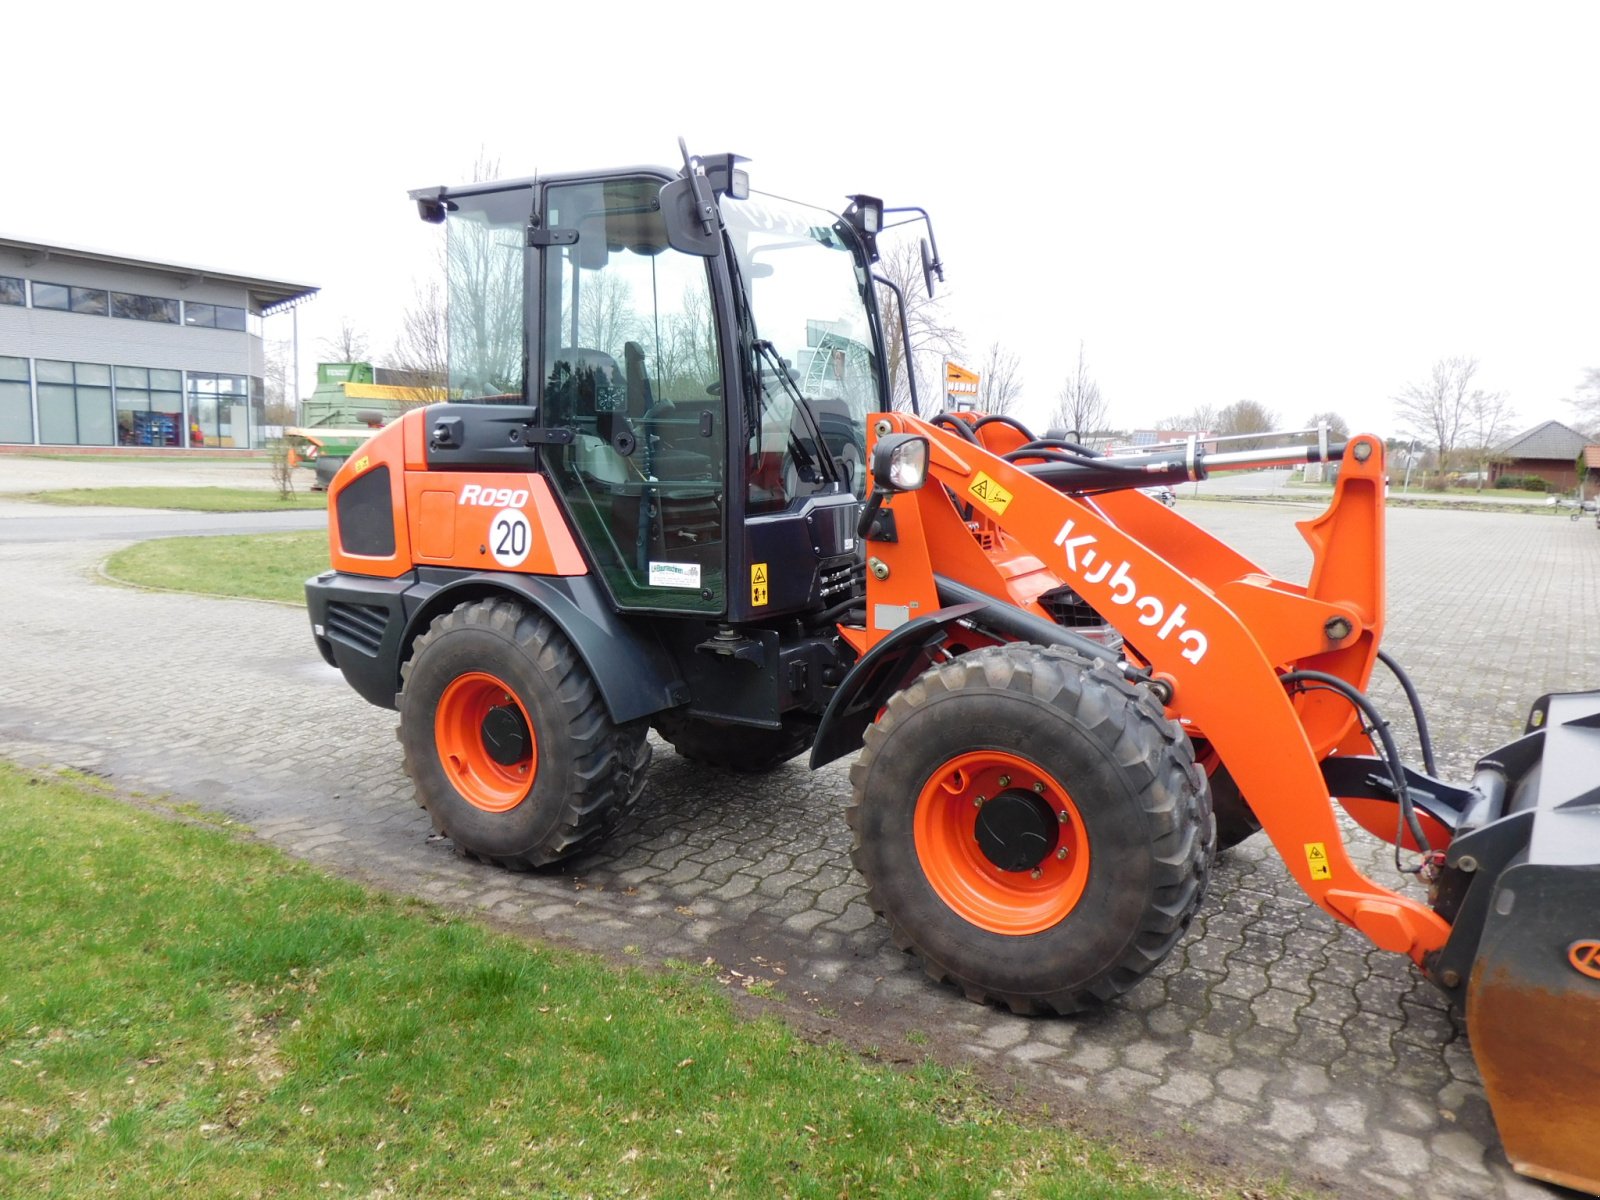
(586,389)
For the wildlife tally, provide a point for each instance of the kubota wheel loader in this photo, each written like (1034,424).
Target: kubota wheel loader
(669,491)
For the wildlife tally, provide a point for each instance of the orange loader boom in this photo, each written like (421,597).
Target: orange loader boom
(1270,675)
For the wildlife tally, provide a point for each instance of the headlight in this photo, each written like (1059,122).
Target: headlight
(900,462)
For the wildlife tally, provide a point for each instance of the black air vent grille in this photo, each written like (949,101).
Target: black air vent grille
(360,626)
(366,516)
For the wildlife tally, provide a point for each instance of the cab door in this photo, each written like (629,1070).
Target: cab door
(630,365)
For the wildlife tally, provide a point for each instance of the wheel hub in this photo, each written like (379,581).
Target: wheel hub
(505,735)
(1018,830)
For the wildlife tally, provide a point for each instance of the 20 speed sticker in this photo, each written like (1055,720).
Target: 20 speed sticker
(510,537)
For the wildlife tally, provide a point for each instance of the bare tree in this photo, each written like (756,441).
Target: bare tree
(278,367)
(999,381)
(1246,416)
(1489,418)
(1200,419)
(1438,408)
(1338,427)
(348,345)
(423,345)
(1587,402)
(1080,408)
(932,336)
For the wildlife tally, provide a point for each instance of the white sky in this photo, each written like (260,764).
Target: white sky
(1300,205)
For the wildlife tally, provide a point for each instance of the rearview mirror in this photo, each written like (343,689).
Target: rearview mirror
(686,217)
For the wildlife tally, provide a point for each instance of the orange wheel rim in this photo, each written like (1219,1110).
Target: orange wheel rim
(1001,842)
(490,769)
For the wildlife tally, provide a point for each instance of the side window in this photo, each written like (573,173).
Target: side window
(631,366)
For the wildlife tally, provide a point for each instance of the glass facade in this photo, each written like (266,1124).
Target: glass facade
(144,308)
(90,301)
(55,402)
(16,404)
(219,410)
(74,403)
(92,404)
(213,316)
(149,406)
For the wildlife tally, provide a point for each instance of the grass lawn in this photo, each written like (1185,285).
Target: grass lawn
(183,1010)
(261,566)
(189,499)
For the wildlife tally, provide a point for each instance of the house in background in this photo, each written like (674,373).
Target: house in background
(1551,451)
(101,349)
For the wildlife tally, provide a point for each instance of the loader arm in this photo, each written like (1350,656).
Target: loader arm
(1213,629)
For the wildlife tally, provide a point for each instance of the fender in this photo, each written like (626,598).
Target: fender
(911,649)
(635,675)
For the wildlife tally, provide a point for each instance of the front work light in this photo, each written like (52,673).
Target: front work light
(900,462)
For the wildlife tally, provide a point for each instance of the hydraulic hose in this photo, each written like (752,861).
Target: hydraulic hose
(1421,718)
(1391,752)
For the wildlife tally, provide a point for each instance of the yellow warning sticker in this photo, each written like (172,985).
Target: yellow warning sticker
(361,464)
(758,584)
(987,491)
(1317,860)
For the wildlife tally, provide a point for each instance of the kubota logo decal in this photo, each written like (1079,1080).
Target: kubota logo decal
(1585,957)
(1084,561)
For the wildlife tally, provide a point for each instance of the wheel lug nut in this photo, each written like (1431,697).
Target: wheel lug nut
(1038,787)
(1061,853)
(1005,781)
(1036,873)
(979,801)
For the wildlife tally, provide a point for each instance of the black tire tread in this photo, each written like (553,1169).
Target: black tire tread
(1154,753)
(610,761)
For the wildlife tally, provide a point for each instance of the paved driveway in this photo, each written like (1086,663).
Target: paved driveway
(1273,1039)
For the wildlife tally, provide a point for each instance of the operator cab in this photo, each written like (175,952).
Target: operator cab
(699,395)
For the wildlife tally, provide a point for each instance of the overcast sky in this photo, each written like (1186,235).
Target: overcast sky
(1299,205)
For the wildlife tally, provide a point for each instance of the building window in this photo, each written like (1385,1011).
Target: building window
(149,406)
(74,403)
(144,308)
(91,301)
(213,316)
(12,291)
(16,405)
(219,409)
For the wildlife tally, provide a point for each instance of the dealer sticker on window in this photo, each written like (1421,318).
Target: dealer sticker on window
(678,575)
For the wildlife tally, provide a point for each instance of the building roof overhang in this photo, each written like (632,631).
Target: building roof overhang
(269,296)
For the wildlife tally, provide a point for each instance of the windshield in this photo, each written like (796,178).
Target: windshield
(806,292)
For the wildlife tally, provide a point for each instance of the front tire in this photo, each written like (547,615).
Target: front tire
(508,741)
(1032,827)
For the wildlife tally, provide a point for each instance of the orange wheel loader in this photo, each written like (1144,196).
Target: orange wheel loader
(669,490)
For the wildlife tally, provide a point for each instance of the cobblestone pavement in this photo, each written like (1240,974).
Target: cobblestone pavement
(1273,1041)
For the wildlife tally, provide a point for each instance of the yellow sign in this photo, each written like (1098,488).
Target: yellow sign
(758,584)
(1317,860)
(361,464)
(988,492)
(959,380)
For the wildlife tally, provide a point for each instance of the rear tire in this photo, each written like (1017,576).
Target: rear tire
(508,741)
(1032,827)
(1236,820)
(741,748)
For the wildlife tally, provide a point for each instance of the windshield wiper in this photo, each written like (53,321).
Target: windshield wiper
(803,406)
